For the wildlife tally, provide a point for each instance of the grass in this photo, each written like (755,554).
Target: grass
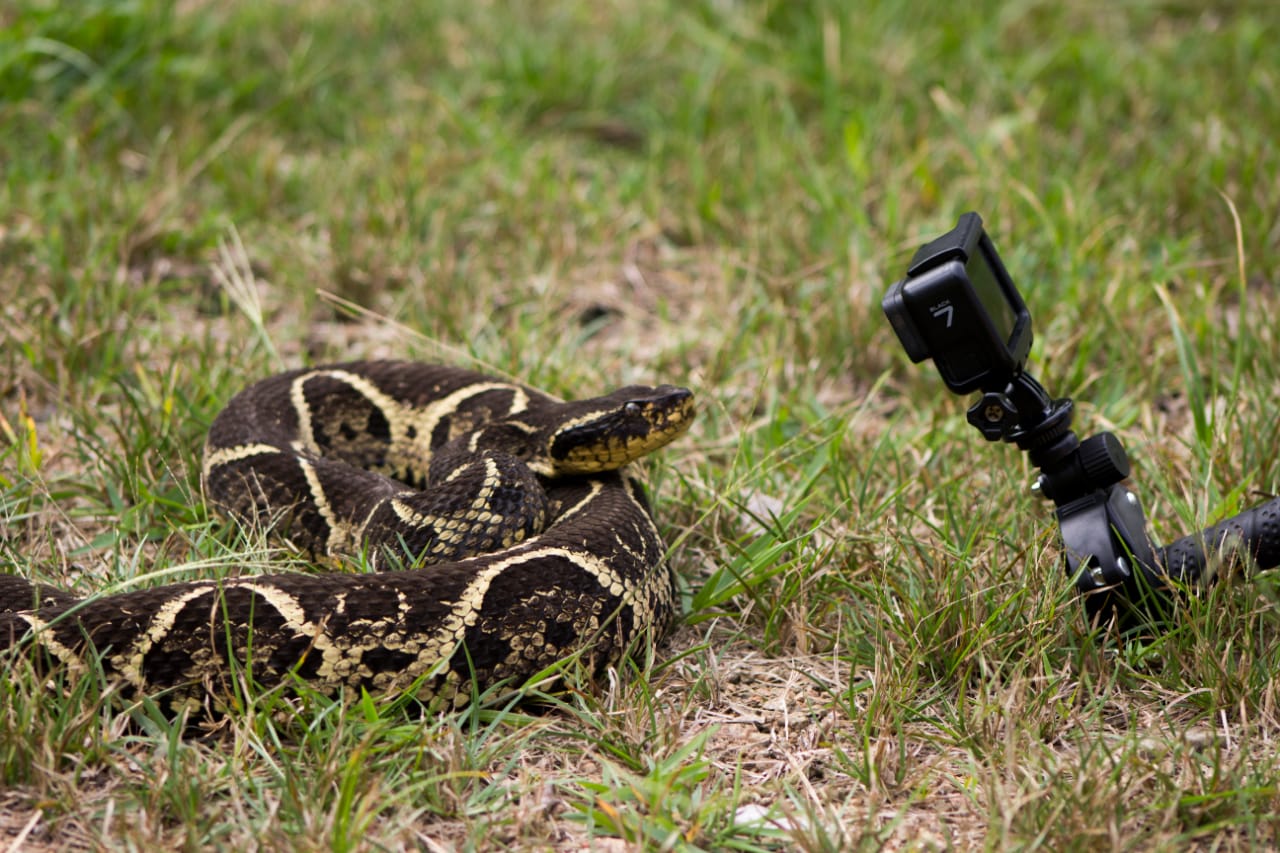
(878,645)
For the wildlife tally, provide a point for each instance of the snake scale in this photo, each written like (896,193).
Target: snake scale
(501,528)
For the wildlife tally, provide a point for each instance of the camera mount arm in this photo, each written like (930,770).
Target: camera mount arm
(1101,522)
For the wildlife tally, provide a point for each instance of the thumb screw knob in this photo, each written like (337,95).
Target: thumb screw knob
(994,415)
(1103,459)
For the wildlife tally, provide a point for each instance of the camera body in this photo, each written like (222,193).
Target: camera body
(959,306)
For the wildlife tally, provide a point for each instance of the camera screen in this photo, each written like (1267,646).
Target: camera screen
(990,293)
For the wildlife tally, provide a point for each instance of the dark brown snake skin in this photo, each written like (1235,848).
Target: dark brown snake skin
(529,541)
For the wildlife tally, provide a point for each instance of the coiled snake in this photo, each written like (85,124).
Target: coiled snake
(504,531)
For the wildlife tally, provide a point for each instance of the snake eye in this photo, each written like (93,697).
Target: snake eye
(632,409)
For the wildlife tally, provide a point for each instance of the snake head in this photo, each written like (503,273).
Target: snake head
(607,432)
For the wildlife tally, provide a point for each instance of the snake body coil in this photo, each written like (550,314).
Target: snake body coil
(503,527)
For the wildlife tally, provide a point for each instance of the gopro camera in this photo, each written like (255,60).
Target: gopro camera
(959,307)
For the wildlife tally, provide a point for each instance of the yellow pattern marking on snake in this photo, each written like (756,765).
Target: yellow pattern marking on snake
(295,617)
(596,487)
(44,636)
(285,604)
(428,418)
(339,533)
(130,662)
(341,661)
(597,567)
(306,438)
(411,516)
(223,455)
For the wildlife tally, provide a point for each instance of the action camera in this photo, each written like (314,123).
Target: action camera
(959,307)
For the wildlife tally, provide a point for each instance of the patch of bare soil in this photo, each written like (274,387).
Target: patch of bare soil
(783,723)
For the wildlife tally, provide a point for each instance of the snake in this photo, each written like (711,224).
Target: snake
(488,532)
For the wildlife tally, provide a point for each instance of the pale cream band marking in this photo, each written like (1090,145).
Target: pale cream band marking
(298,397)
(490,473)
(434,651)
(43,632)
(411,516)
(464,612)
(428,418)
(223,455)
(342,659)
(130,663)
(295,619)
(340,665)
(338,532)
(286,604)
(597,567)
(596,487)
(408,514)
(478,436)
